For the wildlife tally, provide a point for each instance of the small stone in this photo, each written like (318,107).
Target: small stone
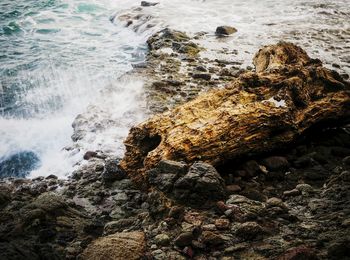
(232,189)
(304,188)
(276,163)
(177,212)
(172,167)
(228,212)
(158,254)
(236,247)
(211,238)
(118,226)
(222,223)
(249,230)
(250,169)
(345,176)
(201,68)
(89,154)
(51,177)
(184,239)
(346,223)
(291,193)
(162,239)
(209,227)
(225,30)
(275,202)
(203,76)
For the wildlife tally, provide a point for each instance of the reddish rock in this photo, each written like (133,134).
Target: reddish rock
(222,223)
(211,238)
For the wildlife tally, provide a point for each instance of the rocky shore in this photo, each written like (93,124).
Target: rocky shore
(289,203)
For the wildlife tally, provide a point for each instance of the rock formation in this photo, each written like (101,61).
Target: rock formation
(258,112)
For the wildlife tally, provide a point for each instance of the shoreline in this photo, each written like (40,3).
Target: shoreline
(283,206)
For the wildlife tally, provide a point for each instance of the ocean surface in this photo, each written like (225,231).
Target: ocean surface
(61,58)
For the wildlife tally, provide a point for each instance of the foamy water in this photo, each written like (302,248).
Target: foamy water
(59,59)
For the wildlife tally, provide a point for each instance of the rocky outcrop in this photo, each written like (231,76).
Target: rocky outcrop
(258,112)
(289,204)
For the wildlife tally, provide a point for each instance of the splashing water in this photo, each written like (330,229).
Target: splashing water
(62,58)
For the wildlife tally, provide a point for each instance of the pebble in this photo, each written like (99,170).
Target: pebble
(162,239)
(222,224)
(304,188)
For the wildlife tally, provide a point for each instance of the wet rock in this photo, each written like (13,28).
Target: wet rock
(225,30)
(89,154)
(127,245)
(201,184)
(249,231)
(162,239)
(112,171)
(51,177)
(165,37)
(184,239)
(211,239)
(276,163)
(147,4)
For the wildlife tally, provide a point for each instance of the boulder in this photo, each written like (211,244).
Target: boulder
(128,245)
(201,184)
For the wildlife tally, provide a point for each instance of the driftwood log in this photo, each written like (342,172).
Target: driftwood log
(258,112)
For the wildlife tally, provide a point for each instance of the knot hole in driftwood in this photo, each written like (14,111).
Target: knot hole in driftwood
(149,142)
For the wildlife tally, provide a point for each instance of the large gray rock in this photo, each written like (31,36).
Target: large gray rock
(201,184)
